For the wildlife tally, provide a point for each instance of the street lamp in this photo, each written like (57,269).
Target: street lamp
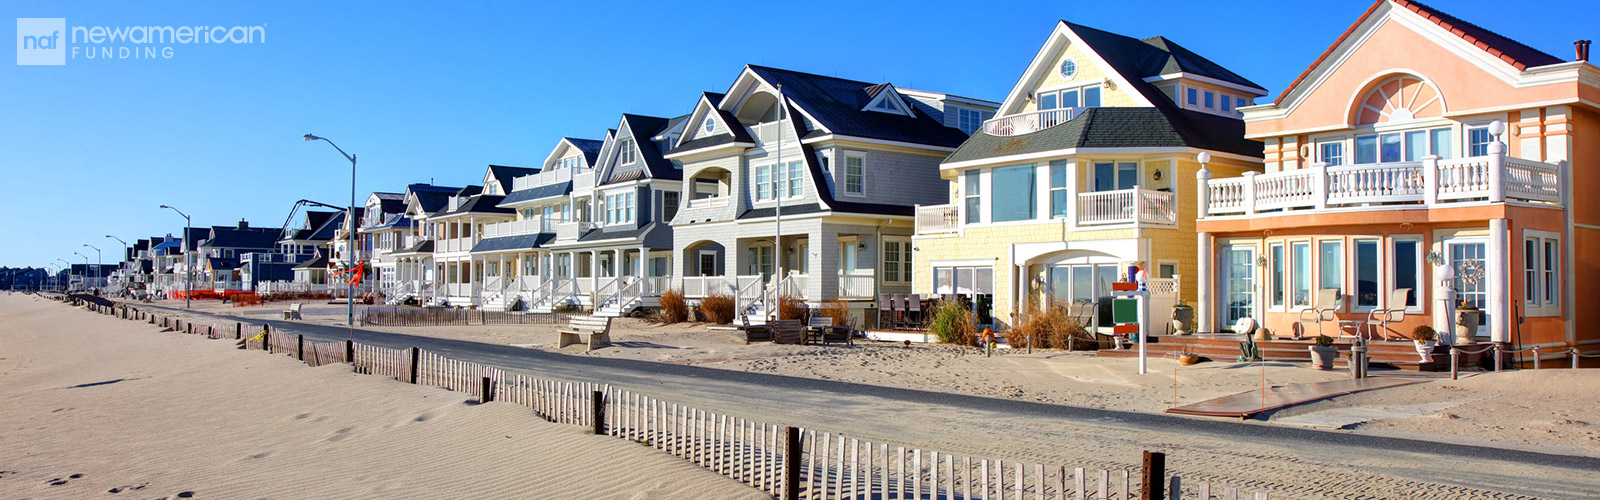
(126,258)
(98,262)
(188,270)
(350,244)
(85,259)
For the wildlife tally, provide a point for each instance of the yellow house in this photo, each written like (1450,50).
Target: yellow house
(1087,168)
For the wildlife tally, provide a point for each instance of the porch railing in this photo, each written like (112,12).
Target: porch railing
(1430,182)
(572,230)
(855,287)
(938,219)
(1127,206)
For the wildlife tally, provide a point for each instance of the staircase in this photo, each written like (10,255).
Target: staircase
(401,293)
(552,294)
(637,293)
(1225,348)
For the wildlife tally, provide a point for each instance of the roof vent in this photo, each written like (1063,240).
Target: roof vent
(243,224)
(1582,47)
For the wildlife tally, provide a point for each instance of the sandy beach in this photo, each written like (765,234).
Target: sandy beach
(95,407)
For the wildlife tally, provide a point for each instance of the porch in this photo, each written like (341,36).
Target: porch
(1429,183)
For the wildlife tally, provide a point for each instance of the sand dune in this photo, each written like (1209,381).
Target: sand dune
(94,407)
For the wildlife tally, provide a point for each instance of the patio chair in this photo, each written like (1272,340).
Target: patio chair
(898,304)
(1394,312)
(914,311)
(1323,310)
(884,306)
(787,331)
(755,333)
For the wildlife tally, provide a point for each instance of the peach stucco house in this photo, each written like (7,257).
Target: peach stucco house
(1416,147)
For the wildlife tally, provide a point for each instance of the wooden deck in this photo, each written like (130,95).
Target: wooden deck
(1225,348)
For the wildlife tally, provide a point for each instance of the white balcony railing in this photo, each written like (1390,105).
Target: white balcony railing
(767,133)
(520,227)
(1127,206)
(1429,182)
(543,179)
(938,219)
(568,231)
(715,201)
(583,181)
(1033,121)
(855,287)
(454,245)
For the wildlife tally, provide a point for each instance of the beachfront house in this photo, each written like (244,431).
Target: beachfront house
(1420,164)
(1086,169)
(805,185)
(541,201)
(456,226)
(414,257)
(382,222)
(218,255)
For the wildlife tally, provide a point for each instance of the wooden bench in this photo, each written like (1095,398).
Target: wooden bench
(293,312)
(591,330)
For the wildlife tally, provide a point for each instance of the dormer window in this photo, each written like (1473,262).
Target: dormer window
(626,154)
(887,105)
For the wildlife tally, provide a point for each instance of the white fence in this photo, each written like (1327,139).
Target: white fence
(1034,121)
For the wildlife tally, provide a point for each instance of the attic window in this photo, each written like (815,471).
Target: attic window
(1069,69)
(711,124)
(887,104)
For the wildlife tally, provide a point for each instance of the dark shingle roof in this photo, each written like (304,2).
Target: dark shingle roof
(314,262)
(1511,51)
(739,134)
(589,147)
(1119,128)
(483,203)
(518,242)
(538,193)
(505,175)
(424,246)
(643,128)
(1179,59)
(246,238)
(836,104)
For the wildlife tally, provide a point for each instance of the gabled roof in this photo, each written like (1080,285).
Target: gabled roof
(391,221)
(241,238)
(1177,59)
(538,193)
(836,104)
(430,198)
(1119,127)
(642,128)
(1511,51)
(482,204)
(504,174)
(391,203)
(589,147)
(709,103)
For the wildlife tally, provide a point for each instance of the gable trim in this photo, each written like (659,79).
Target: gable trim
(1051,47)
(889,94)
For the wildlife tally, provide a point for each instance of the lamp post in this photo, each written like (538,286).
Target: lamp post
(85,260)
(126,258)
(99,261)
(188,270)
(350,244)
(68,269)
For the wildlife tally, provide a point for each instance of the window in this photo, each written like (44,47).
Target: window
(626,153)
(568,163)
(1088,96)
(1210,98)
(764,182)
(1017,184)
(1367,268)
(1239,102)
(1331,266)
(1441,144)
(969,120)
(1060,196)
(1389,147)
(619,207)
(1047,101)
(1367,149)
(1069,69)
(796,181)
(669,205)
(826,160)
(711,124)
(1410,145)
(855,167)
(761,260)
(1331,153)
(1113,176)
(1541,257)
(974,196)
(1193,99)
(1300,251)
(886,104)
(1275,263)
(1091,97)
(1407,269)
(1167,270)
(896,260)
(1478,141)
(1227,104)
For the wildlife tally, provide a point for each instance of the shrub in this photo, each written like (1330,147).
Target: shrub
(1423,333)
(1324,341)
(790,307)
(717,308)
(953,323)
(1053,327)
(673,308)
(839,311)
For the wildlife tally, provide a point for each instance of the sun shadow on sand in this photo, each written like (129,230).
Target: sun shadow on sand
(108,382)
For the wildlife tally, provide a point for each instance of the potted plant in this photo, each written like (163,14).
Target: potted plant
(1467,318)
(1424,337)
(1187,358)
(1323,352)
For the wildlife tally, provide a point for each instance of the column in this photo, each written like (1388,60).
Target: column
(1499,286)
(1204,287)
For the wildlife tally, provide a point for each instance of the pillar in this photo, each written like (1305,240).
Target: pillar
(1203,306)
(1499,286)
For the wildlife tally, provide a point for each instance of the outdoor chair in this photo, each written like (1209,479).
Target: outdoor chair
(293,312)
(787,331)
(898,301)
(1323,310)
(1394,312)
(885,306)
(914,311)
(755,333)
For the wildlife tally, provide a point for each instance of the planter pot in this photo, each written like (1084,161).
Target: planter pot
(1322,357)
(1467,326)
(1188,359)
(1425,349)
(1182,320)
(1263,335)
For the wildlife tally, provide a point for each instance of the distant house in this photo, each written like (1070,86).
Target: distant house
(414,263)
(542,201)
(221,252)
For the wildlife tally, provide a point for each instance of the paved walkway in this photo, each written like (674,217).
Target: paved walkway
(1251,403)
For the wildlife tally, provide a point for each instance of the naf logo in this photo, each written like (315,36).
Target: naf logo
(41,41)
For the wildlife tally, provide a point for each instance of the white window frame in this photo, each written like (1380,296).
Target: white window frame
(1138,174)
(1322,152)
(1079,88)
(710,125)
(967,195)
(1177,270)
(1277,270)
(770,186)
(1069,169)
(1294,281)
(861,176)
(1545,271)
(1389,272)
(1353,274)
(1466,139)
(1344,269)
(794,181)
(625,152)
(899,264)
(969,120)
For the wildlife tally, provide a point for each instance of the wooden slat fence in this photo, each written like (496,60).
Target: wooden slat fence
(832,465)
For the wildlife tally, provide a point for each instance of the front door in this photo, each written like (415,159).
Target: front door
(1238,287)
(1469,259)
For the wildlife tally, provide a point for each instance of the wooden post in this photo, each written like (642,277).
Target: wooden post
(488,388)
(300,346)
(1155,469)
(1454,362)
(415,352)
(350,351)
(597,401)
(791,463)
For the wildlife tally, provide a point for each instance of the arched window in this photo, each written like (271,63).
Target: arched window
(1398,99)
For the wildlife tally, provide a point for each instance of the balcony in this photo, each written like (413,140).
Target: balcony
(1427,184)
(715,201)
(520,227)
(569,231)
(938,219)
(1127,206)
(543,179)
(1030,122)
(765,133)
(454,245)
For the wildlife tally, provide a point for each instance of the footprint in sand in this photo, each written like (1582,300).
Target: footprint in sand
(121,489)
(4,473)
(61,481)
(340,434)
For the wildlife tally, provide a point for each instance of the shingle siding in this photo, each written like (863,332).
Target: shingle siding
(893,178)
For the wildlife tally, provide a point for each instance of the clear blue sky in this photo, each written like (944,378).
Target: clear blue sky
(439,90)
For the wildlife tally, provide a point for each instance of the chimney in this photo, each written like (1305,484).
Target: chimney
(243,224)
(1582,47)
